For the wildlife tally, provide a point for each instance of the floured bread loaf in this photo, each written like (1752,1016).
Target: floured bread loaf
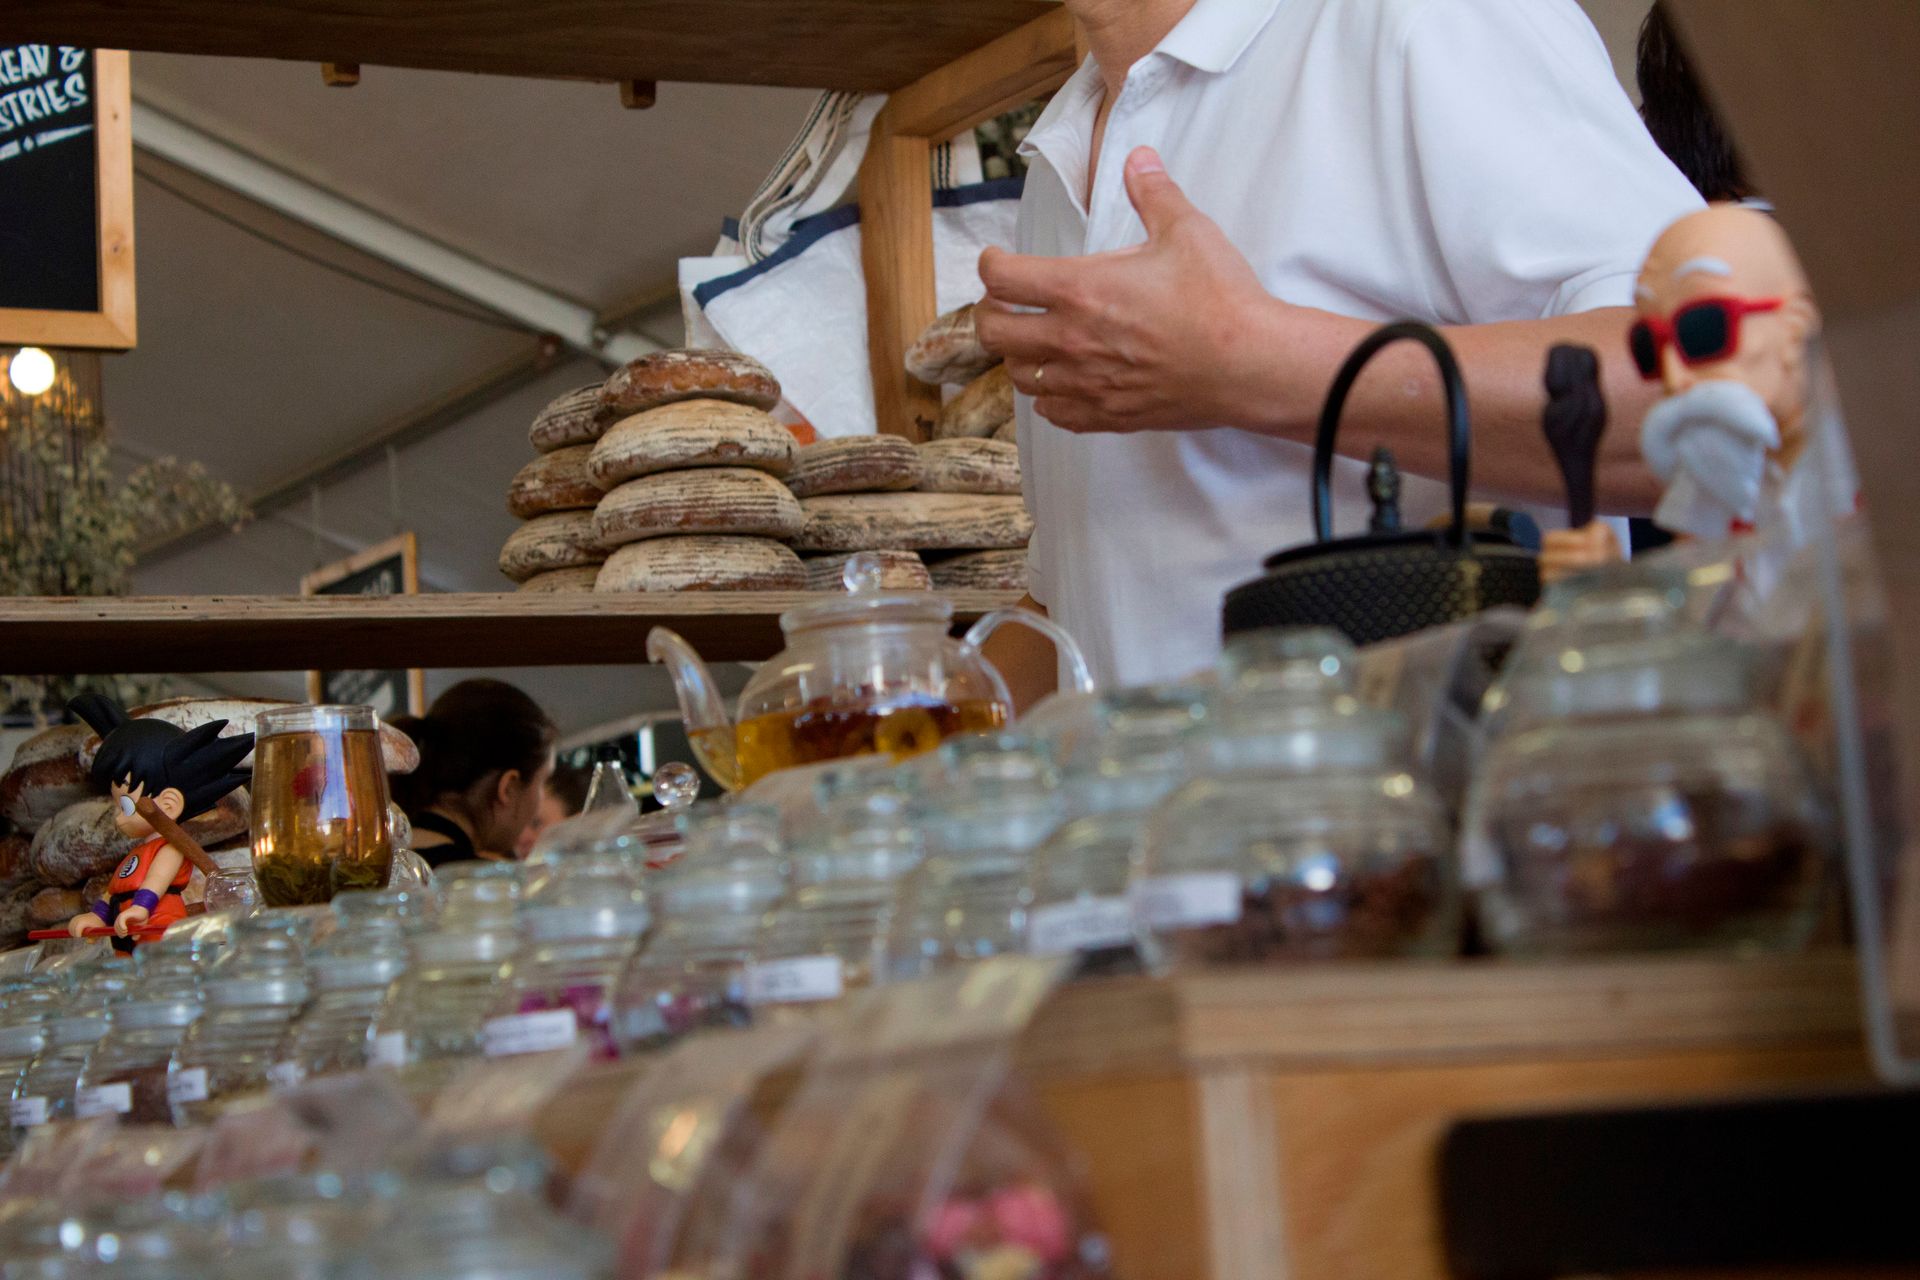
(82,841)
(981,571)
(560,540)
(715,500)
(948,351)
(686,374)
(854,464)
(969,466)
(982,409)
(912,522)
(397,750)
(46,777)
(557,481)
(578,579)
(570,420)
(703,563)
(692,433)
(899,571)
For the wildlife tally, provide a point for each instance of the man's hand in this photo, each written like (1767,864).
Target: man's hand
(1130,340)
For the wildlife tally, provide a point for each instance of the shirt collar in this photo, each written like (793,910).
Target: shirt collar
(1215,33)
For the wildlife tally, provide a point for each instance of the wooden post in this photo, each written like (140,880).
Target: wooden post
(638,95)
(896,196)
(340,75)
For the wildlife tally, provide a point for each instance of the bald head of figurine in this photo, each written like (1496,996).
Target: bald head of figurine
(1741,254)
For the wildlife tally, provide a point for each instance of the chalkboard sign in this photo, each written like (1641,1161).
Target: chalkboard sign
(389,568)
(66,198)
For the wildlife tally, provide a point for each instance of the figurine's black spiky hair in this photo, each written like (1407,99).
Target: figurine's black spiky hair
(198,763)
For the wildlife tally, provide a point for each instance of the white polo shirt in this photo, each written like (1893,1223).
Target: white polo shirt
(1453,161)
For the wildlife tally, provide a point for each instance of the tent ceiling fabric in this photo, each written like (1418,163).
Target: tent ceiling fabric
(551,180)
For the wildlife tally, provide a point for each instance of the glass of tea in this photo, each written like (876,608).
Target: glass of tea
(319,805)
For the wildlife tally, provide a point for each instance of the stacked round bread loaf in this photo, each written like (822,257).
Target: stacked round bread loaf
(944,513)
(948,353)
(58,842)
(673,473)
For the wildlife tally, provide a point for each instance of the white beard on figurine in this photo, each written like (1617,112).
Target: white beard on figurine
(1710,445)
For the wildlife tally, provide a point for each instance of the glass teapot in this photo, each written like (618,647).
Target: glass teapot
(864,673)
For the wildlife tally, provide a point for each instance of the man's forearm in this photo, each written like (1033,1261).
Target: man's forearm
(1280,368)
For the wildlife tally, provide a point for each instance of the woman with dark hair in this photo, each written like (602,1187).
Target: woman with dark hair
(565,795)
(1681,119)
(486,750)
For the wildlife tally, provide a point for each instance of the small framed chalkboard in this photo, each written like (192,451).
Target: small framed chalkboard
(390,568)
(66,198)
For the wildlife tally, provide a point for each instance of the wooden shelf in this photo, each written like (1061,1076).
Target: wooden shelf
(61,636)
(816,44)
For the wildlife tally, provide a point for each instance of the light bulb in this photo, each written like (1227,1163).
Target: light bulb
(31,370)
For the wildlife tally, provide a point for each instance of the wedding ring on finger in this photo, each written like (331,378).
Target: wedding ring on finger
(1039,373)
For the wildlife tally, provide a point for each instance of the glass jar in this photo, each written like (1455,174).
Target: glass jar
(1638,799)
(298,1227)
(1302,836)
(319,804)
(997,797)
(579,927)
(485,895)
(692,972)
(829,936)
(127,1073)
(349,974)
(232,887)
(250,997)
(481,1215)
(45,1089)
(20,1044)
(433,1016)
(1133,756)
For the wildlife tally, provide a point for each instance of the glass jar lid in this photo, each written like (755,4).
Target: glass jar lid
(865,833)
(998,797)
(316,719)
(866,604)
(457,943)
(162,999)
(1301,737)
(476,891)
(1139,750)
(1291,663)
(590,896)
(22,1039)
(733,865)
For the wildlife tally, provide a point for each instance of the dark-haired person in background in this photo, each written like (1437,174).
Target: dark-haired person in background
(486,751)
(564,795)
(1681,119)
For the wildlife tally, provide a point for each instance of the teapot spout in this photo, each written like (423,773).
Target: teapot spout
(709,723)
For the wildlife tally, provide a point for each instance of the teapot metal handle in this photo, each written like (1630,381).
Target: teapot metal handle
(1062,639)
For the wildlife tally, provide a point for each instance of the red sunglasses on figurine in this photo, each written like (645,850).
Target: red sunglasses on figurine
(1704,331)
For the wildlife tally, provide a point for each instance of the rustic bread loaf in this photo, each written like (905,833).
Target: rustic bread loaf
(912,521)
(899,571)
(1008,431)
(854,464)
(13,855)
(571,419)
(397,750)
(692,433)
(686,374)
(703,563)
(51,907)
(14,900)
(46,776)
(580,579)
(982,409)
(981,571)
(965,465)
(81,840)
(714,500)
(948,351)
(557,481)
(558,540)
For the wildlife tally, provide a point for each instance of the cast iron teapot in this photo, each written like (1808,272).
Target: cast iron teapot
(1389,582)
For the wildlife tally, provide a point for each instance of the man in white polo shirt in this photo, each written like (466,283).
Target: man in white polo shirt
(1296,172)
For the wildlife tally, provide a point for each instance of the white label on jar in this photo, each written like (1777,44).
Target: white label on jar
(25,1113)
(1086,924)
(539,1032)
(186,1086)
(388,1049)
(1188,901)
(103,1100)
(285,1075)
(795,981)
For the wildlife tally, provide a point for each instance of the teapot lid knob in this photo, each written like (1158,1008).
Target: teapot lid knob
(675,785)
(864,573)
